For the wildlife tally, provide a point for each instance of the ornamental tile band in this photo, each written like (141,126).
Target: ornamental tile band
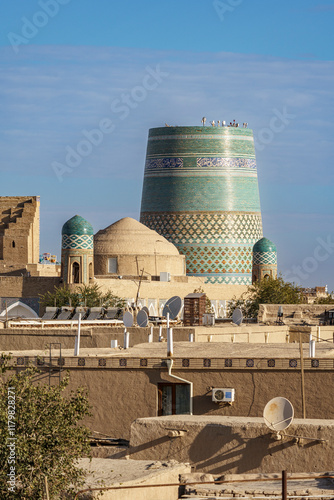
(80,242)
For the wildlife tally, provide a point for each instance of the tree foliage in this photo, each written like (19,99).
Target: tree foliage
(267,291)
(48,437)
(85,295)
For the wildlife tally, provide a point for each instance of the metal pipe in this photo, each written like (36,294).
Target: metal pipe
(77,339)
(284,485)
(170,366)
(133,486)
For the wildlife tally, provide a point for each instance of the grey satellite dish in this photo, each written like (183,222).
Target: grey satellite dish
(173,307)
(146,310)
(142,318)
(237,316)
(278,414)
(127,319)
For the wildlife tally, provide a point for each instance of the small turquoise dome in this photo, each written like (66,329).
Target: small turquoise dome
(264,245)
(77,226)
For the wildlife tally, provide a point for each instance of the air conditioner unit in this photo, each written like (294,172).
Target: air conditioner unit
(225,395)
(164,276)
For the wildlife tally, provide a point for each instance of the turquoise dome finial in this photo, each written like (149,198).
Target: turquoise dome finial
(78,226)
(264,245)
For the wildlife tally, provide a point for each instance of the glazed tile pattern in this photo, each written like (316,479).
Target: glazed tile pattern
(164,163)
(206,227)
(80,242)
(201,193)
(265,258)
(77,225)
(226,163)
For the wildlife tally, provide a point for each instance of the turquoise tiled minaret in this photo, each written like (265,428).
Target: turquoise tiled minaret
(77,257)
(201,192)
(264,260)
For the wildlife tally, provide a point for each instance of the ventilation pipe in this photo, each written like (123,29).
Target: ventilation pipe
(170,366)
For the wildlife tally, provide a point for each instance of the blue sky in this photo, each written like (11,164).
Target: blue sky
(67,65)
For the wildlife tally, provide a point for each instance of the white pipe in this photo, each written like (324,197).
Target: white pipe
(77,339)
(126,339)
(169,339)
(191,337)
(312,348)
(150,335)
(160,333)
(170,366)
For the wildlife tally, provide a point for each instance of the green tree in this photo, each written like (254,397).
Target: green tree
(325,300)
(267,291)
(48,437)
(86,295)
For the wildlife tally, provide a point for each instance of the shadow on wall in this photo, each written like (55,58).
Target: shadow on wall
(224,450)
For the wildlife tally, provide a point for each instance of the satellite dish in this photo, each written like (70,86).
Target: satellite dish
(127,319)
(173,307)
(142,318)
(278,414)
(146,310)
(237,316)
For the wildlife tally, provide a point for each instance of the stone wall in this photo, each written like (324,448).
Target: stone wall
(294,313)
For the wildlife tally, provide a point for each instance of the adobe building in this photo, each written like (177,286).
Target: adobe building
(140,383)
(22,277)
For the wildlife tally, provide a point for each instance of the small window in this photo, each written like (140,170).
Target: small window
(90,271)
(112,265)
(13,244)
(173,399)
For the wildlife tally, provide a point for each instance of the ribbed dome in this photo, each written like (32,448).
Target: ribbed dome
(78,226)
(264,245)
(128,236)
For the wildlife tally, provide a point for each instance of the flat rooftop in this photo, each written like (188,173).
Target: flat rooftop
(158,350)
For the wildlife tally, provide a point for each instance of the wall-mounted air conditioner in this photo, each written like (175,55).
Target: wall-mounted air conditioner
(164,276)
(223,395)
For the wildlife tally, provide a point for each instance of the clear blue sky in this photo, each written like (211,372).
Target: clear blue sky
(66,64)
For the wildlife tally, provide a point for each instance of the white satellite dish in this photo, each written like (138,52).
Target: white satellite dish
(237,316)
(127,319)
(142,318)
(278,414)
(173,307)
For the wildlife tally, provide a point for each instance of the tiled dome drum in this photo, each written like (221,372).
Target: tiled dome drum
(77,233)
(264,260)
(77,251)
(201,193)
